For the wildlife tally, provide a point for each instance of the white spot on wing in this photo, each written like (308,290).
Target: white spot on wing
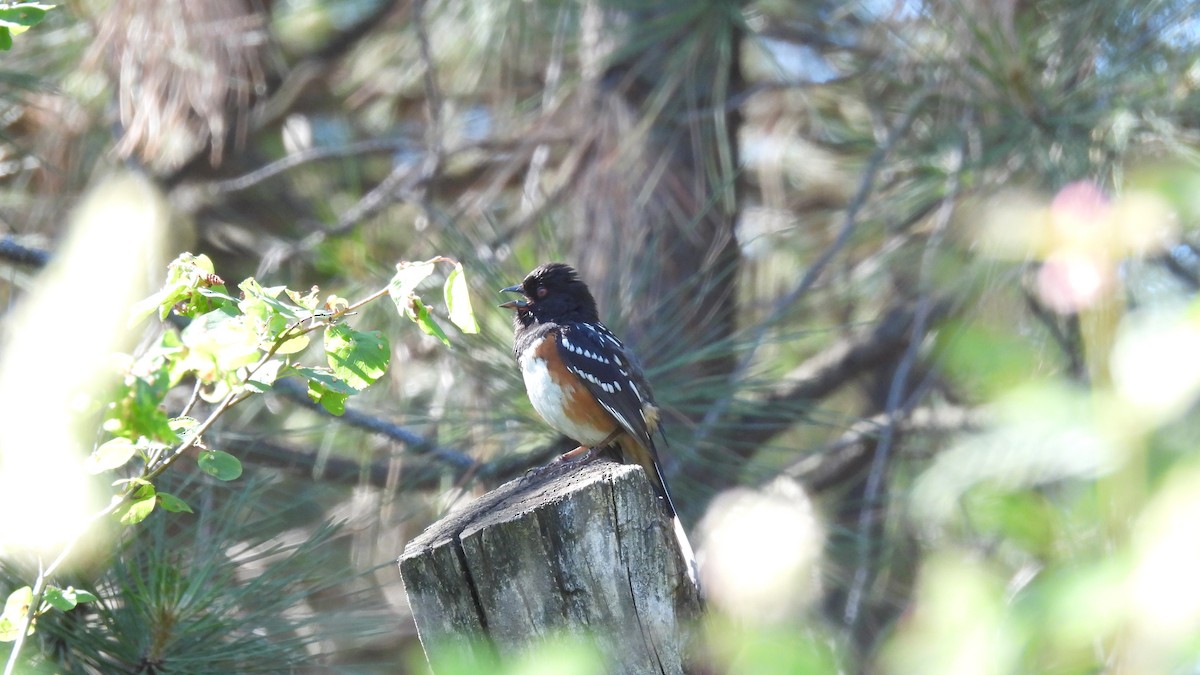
(620,418)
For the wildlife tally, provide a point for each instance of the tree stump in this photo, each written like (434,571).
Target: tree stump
(577,551)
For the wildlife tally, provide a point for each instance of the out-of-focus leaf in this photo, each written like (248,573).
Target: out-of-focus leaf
(458,301)
(136,511)
(15,610)
(219,465)
(172,503)
(404,283)
(110,455)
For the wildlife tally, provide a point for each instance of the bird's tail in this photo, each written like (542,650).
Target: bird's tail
(647,457)
(633,452)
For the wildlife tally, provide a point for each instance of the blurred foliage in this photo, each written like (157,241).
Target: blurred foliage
(934,262)
(234,588)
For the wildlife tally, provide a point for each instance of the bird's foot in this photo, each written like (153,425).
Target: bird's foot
(580,455)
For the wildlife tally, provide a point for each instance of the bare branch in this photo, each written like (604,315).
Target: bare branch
(850,222)
(899,401)
(831,465)
(416,443)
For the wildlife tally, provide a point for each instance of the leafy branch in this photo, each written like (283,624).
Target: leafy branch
(18,17)
(233,348)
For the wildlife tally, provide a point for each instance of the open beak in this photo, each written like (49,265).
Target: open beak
(513,304)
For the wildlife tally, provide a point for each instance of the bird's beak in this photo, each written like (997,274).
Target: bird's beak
(513,304)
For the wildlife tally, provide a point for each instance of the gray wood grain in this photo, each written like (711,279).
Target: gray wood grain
(585,551)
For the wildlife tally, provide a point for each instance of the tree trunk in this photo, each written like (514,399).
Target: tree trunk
(583,552)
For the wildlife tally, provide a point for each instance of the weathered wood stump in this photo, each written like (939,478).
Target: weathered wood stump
(582,551)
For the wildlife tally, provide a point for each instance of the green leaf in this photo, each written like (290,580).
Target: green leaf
(65,599)
(187,277)
(5,45)
(308,301)
(325,388)
(260,300)
(219,343)
(182,426)
(172,503)
(219,465)
(357,358)
(263,378)
(110,455)
(334,402)
(60,599)
(426,322)
(23,15)
(324,377)
(15,610)
(136,511)
(404,283)
(293,345)
(458,301)
(272,317)
(136,408)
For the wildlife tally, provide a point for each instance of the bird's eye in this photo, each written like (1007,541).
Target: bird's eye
(542,291)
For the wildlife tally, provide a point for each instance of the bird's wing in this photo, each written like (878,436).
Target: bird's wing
(611,375)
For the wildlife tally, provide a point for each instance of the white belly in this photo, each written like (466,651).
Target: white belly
(548,399)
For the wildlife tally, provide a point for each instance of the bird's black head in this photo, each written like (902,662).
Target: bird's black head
(553,292)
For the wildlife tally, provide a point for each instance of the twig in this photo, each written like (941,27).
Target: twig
(834,463)
(431,167)
(282,100)
(872,493)
(155,467)
(24,255)
(1069,341)
(39,588)
(249,180)
(828,371)
(417,443)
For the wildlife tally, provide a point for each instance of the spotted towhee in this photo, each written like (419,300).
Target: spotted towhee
(579,376)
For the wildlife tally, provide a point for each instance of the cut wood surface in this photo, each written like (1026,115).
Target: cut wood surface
(582,551)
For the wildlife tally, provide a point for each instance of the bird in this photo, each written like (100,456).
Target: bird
(581,379)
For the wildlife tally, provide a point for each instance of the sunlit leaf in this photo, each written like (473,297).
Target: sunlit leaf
(15,610)
(356,358)
(220,342)
(60,599)
(458,301)
(110,455)
(182,426)
(404,283)
(427,323)
(293,345)
(334,402)
(308,300)
(136,511)
(325,388)
(263,378)
(259,300)
(186,276)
